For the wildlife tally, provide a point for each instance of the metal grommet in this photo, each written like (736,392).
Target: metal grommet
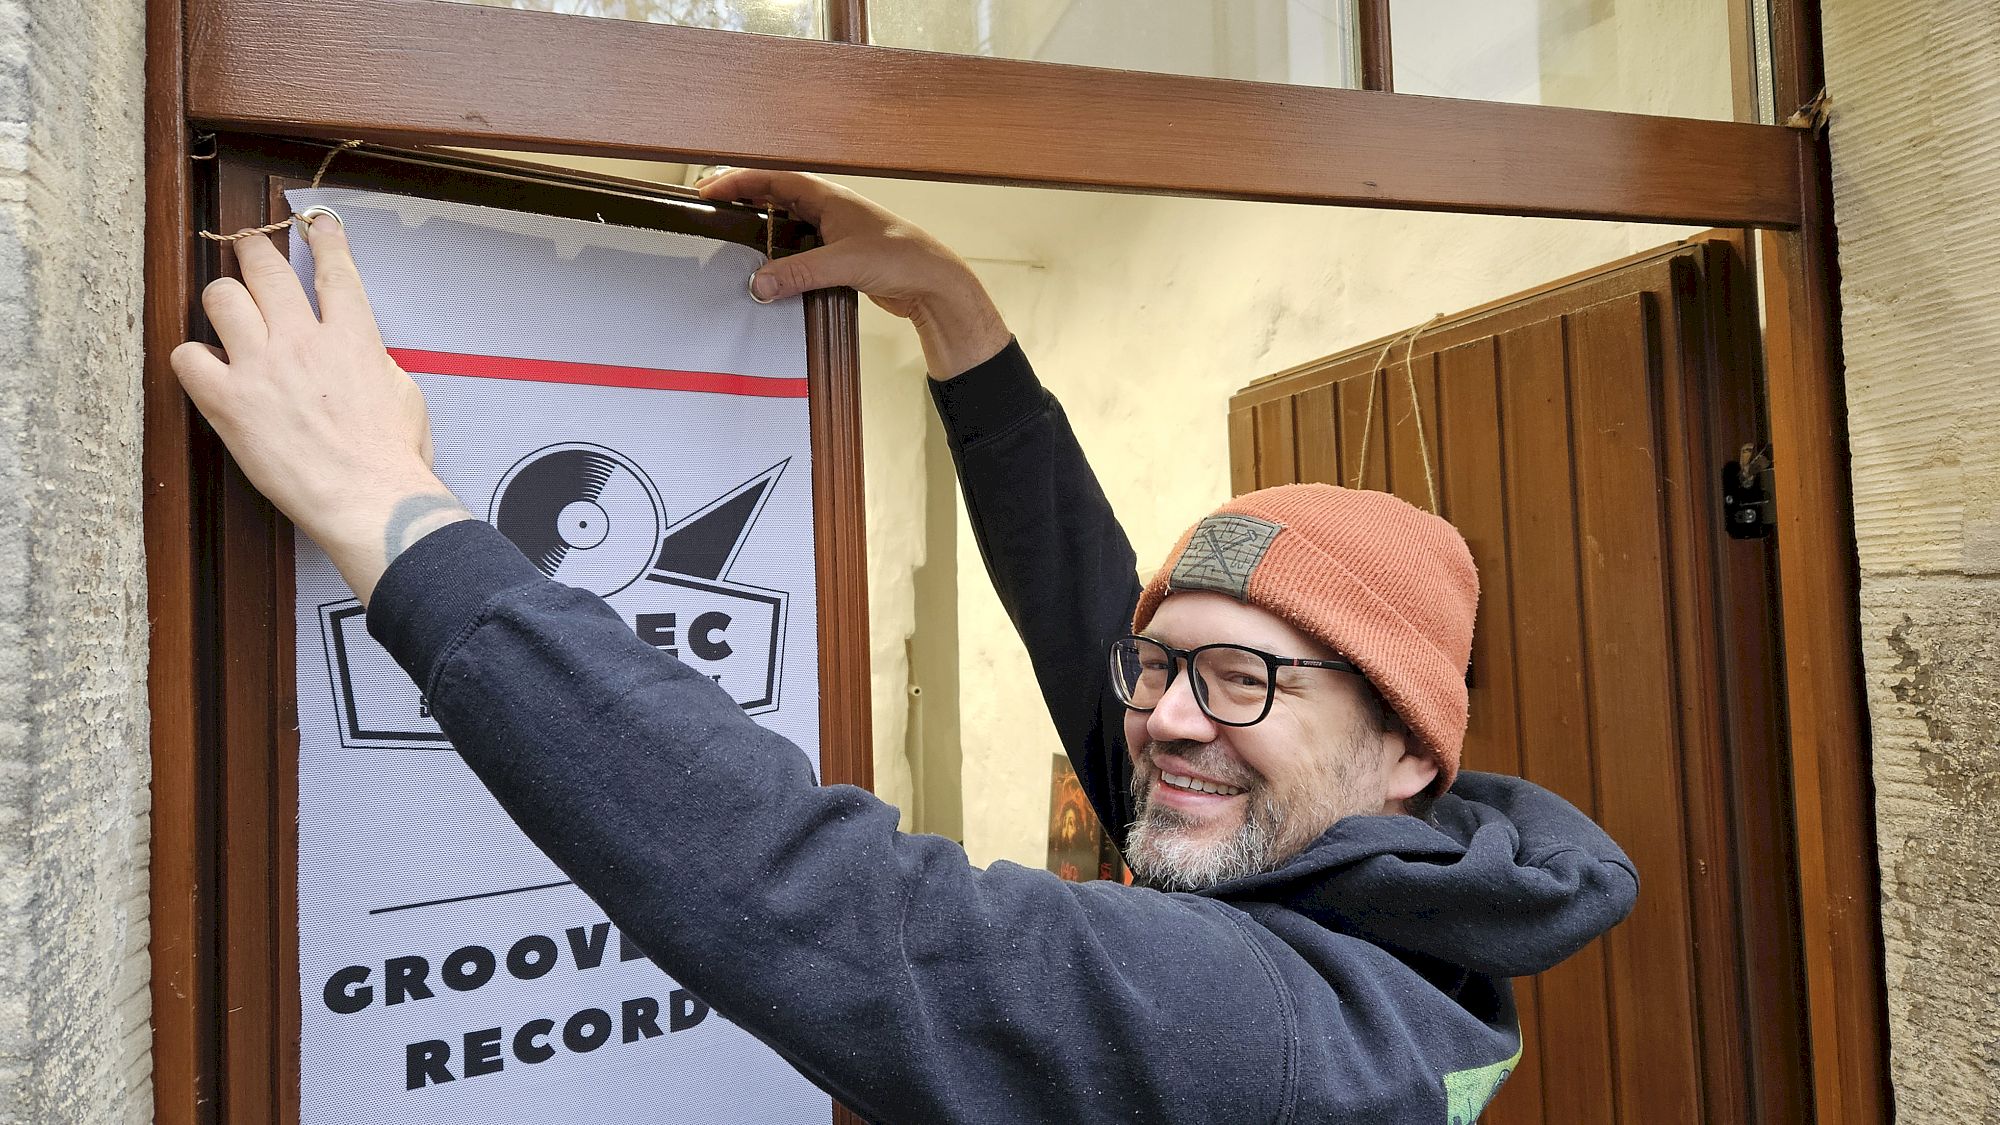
(306,216)
(753,293)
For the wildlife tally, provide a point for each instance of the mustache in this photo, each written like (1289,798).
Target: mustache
(1206,758)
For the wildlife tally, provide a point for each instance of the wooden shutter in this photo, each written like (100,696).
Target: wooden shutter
(1624,657)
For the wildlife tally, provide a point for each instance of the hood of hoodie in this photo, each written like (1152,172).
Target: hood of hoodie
(1506,879)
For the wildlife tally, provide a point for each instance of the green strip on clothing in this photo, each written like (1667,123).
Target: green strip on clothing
(1467,1092)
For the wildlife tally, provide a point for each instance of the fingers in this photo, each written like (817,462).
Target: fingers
(802,195)
(270,279)
(335,278)
(839,263)
(200,369)
(237,321)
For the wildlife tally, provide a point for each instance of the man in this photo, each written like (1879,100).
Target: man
(1266,716)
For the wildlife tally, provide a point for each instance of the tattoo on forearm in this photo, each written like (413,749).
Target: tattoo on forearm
(413,517)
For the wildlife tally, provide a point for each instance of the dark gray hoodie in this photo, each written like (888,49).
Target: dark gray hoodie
(1363,981)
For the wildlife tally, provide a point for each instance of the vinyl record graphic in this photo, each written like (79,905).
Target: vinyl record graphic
(585,515)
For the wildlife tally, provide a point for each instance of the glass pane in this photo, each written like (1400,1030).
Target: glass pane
(801,19)
(1307,42)
(1637,56)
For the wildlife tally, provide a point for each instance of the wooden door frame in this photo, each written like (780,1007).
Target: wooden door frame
(294,68)
(1833,789)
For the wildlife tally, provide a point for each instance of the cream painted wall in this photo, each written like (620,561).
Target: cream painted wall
(1009,235)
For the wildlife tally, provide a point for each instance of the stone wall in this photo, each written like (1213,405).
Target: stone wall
(1917,200)
(74,1036)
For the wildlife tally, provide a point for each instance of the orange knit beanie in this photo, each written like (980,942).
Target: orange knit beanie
(1389,586)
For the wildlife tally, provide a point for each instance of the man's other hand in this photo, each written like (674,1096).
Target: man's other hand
(899,266)
(321,420)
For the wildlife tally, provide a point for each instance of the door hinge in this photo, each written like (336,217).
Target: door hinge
(1748,510)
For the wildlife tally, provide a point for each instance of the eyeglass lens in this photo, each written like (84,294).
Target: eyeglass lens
(1232,685)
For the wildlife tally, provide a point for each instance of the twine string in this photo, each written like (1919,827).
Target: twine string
(1408,338)
(273,228)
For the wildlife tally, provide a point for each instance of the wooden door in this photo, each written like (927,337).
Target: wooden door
(1624,656)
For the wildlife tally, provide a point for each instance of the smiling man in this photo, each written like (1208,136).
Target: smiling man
(1366,596)
(1330,911)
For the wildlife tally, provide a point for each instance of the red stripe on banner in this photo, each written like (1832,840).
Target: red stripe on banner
(594,374)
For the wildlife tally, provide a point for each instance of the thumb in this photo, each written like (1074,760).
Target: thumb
(822,267)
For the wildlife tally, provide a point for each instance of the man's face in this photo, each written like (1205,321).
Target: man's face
(1319,755)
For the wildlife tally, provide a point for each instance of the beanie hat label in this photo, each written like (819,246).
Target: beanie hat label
(1221,554)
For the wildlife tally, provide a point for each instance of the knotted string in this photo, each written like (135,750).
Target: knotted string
(273,228)
(1409,338)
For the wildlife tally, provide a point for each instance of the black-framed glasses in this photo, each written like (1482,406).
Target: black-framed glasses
(1232,684)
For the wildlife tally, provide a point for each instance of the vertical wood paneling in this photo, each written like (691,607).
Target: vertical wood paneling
(1277,444)
(1363,459)
(1553,708)
(1318,436)
(1409,450)
(1688,348)
(1242,450)
(1635,728)
(1473,483)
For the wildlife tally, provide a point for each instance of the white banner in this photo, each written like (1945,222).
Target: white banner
(614,402)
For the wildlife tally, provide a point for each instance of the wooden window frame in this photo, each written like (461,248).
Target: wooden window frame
(887,111)
(508,79)
(1371,22)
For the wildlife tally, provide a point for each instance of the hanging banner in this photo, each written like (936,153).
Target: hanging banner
(612,401)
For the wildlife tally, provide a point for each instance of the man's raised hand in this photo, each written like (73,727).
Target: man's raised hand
(866,247)
(321,420)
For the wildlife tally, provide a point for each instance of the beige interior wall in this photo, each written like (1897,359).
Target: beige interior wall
(1009,236)
(1917,201)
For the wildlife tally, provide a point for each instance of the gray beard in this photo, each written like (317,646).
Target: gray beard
(1164,855)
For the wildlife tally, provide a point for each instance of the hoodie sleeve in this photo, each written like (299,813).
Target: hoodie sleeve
(909,984)
(1057,556)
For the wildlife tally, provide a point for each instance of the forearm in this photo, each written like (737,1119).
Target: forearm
(1056,554)
(959,328)
(373,523)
